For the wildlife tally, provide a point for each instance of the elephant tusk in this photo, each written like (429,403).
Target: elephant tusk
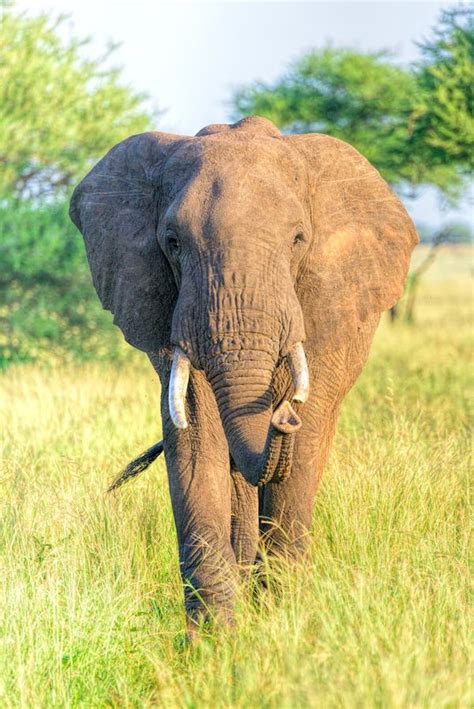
(178,386)
(299,372)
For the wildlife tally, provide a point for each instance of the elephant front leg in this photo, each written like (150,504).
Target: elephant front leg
(286,508)
(197,461)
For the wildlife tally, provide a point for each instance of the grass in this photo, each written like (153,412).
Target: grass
(90,598)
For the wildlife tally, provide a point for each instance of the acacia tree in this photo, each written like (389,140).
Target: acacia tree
(59,112)
(415,124)
(361,98)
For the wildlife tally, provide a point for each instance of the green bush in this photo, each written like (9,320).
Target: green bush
(48,306)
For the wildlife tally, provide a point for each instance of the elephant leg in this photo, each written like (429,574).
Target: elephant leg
(244,523)
(197,460)
(286,508)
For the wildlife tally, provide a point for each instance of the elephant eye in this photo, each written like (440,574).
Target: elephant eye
(298,238)
(172,243)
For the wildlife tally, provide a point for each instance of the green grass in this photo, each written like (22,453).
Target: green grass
(90,598)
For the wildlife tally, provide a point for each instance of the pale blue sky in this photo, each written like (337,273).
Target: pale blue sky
(190,55)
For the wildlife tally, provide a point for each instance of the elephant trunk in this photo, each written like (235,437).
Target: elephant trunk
(242,384)
(260,439)
(236,328)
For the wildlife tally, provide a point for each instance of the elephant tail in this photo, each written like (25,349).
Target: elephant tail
(137,466)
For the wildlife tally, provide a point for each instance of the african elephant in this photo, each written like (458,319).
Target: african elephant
(252,268)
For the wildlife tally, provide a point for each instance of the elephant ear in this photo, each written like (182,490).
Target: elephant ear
(116,209)
(362,242)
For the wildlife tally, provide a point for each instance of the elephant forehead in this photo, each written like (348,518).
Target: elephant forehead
(221,180)
(222,158)
(228,204)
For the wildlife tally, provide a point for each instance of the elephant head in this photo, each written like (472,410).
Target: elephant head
(235,250)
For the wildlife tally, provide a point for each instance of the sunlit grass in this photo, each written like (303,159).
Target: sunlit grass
(90,597)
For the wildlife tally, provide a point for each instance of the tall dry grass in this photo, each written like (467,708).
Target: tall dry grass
(90,604)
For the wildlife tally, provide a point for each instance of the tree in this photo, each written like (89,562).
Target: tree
(446,79)
(59,112)
(361,98)
(414,124)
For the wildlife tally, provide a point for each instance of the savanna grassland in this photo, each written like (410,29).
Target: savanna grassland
(90,596)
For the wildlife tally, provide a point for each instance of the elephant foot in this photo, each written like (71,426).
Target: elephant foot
(204,622)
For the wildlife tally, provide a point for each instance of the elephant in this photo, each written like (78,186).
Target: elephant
(252,267)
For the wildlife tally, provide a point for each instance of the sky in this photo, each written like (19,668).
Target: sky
(190,56)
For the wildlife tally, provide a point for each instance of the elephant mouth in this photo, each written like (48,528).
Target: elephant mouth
(273,464)
(285,424)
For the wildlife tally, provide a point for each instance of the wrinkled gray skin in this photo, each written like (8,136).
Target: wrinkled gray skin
(235,245)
